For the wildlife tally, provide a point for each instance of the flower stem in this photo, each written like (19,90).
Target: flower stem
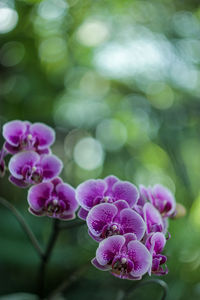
(72,225)
(45,258)
(24,226)
(159,282)
(67,282)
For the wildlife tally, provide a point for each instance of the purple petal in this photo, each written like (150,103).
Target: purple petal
(141,258)
(87,191)
(66,216)
(36,213)
(11,149)
(108,248)
(129,237)
(144,195)
(44,134)
(99,216)
(12,131)
(156,242)
(163,200)
(132,223)
(66,193)
(120,204)
(100,267)
(51,165)
(19,160)
(82,213)
(39,194)
(124,190)
(152,218)
(19,182)
(110,181)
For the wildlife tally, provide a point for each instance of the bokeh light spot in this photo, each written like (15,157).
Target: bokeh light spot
(8,19)
(88,153)
(92,33)
(112,134)
(11,54)
(52,49)
(52,9)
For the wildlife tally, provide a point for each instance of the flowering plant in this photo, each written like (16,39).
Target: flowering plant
(130,225)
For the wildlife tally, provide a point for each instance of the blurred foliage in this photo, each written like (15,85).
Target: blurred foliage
(120,83)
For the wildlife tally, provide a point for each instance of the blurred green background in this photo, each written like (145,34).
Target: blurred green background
(120,83)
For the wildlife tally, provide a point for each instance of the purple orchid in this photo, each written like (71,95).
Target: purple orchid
(160,197)
(29,167)
(124,256)
(108,219)
(155,243)
(22,135)
(108,190)
(153,219)
(54,199)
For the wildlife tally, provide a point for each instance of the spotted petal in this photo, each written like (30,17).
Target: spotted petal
(88,191)
(140,257)
(99,216)
(152,218)
(19,160)
(108,248)
(163,200)
(12,131)
(44,134)
(124,190)
(51,165)
(38,195)
(132,222)
(66,193)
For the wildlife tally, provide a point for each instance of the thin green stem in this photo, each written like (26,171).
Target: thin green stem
(159,282)
(45,258)
(72,225)
(24,226)
(66,283)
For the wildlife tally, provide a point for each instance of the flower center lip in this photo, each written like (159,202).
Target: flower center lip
(112,229)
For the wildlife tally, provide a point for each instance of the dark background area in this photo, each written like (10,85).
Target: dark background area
(119,81)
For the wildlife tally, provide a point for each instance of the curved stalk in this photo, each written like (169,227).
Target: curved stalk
(159,282)
(45,258)
(24,226)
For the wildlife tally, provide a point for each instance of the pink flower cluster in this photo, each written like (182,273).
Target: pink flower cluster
(129,225)
(32,163)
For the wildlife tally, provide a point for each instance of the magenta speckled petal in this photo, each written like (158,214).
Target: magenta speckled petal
(155,243)
(19,182)
(140,256)
(12,131)
(110,181)
(144,195)
(66,193)
(88,191)
(124,190)
(163,200)
(108,248)
(82,213)
(45,135)
(51,165)
(100,267)
(38,194)
(152,218)
(99,216)
(132,222)
(19,160)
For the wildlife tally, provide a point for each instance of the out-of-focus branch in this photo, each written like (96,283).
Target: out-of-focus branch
(24,226)
(131,290)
